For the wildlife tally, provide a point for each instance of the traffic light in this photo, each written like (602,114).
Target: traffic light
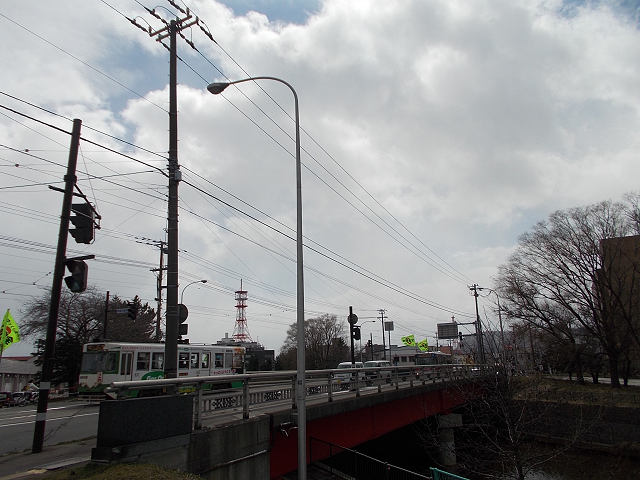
(460,336)
(355,332)
(133,310)
(83,221)
(77,281)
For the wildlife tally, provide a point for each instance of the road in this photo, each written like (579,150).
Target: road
(66,421)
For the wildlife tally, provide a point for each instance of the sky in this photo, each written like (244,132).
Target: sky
(434,133)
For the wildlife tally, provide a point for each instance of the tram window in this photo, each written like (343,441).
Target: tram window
(194,360)
(403,359)
(228,359)
(218,360)
(157,361)
(183,361)
(412,359)
(205,360)
(143,361)
(111,364)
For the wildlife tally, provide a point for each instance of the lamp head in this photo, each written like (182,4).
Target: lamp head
(217,87)
(203,281)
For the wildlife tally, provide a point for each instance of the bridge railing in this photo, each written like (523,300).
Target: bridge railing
(260,390)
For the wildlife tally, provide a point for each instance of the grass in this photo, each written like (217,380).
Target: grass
(119,471)
(550,389)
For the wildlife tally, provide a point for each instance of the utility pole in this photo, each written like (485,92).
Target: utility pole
(162,246)
(478,323)
(175,175)
(106,317)
(384,348)
(56,290)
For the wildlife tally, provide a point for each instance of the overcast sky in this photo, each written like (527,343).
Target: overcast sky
(434,133)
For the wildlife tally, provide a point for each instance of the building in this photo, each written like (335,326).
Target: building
(15,372)
(256,357)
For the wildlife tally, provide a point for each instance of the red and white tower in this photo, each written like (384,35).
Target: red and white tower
(240,330)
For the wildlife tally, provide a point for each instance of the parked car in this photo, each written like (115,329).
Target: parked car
(371,377)
(6,399)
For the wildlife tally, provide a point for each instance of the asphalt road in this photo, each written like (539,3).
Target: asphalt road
(66,421)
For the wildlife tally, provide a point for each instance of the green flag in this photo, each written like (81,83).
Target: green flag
(10,331)
(423,345)
(409,340)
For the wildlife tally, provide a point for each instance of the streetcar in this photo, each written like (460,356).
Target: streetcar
(106,362)
(433,358)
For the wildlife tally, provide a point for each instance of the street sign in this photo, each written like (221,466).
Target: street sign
(122,310)
(388,326)
(353,319)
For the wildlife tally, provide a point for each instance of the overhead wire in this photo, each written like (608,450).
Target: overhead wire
(165,175)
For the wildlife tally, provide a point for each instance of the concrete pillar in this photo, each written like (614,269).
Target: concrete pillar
(446,443)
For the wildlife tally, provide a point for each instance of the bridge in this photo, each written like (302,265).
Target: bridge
(244,426)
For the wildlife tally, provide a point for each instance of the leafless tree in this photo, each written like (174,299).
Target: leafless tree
(325,344)
(565,279)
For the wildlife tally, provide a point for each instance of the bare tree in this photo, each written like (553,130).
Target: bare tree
(560,280)
(81,320)
(325,344)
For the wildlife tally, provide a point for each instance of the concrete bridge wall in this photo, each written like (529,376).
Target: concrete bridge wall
(265,447)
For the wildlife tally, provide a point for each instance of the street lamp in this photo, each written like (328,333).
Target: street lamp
(182,294)
(301,390)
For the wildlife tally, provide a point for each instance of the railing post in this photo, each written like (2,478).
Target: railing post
(379,378)
(330,387)
(198,399)
(245,393)
(293,391)
(357,382)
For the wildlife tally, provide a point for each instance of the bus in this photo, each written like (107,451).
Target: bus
(106,362)
(433,358)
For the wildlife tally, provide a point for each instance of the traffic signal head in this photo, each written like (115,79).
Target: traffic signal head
(133,311)
(83,221)
(77,281)
(356,333)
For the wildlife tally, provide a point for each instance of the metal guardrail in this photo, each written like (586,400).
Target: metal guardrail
(255,391)
(438,474)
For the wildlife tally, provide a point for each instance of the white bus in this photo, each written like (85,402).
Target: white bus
(106,362)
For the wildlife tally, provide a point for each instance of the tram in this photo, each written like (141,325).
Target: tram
(106,362)
(433,358)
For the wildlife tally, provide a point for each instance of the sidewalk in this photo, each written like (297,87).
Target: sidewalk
(27,465)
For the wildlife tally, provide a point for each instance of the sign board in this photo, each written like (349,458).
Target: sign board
(388,326)
(353,319)
(122,310)
(447,330)
(183,328)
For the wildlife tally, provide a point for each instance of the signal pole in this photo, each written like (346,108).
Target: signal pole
(56,290)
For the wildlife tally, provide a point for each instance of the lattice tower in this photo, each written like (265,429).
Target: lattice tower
(241,330)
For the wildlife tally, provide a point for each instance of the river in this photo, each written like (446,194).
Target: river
(404,448)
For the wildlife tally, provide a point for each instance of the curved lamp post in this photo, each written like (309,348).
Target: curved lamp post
(182,294)
(301,389)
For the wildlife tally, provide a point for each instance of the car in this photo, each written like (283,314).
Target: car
(6,399)
(344,379)
(379,364)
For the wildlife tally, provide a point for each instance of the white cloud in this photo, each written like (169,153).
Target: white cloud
(467,121)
